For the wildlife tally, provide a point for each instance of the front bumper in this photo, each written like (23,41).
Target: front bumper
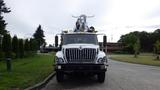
(81,67)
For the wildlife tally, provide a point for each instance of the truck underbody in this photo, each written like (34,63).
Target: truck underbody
(85,69)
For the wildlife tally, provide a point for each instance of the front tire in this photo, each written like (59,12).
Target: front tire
(101,77)
(59,76)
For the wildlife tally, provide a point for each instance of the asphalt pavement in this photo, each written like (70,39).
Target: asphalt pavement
(120,76)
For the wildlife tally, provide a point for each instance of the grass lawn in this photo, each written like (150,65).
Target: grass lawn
(26,72)
(147,59)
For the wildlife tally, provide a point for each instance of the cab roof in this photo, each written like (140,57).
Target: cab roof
(80,33)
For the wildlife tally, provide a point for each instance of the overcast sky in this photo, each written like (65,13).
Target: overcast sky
(112,17)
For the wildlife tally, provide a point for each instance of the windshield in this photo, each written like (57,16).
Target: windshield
(80,38)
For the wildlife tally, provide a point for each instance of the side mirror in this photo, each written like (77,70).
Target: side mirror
(104,41)
(56,41)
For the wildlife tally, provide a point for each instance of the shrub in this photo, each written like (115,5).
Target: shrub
(2,56)
(13,55)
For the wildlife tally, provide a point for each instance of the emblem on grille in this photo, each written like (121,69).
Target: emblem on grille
(80,48)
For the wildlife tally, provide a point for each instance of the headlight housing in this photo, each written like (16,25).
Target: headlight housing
(102,60)
(59,60)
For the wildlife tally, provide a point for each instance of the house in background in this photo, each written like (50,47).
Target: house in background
(111,47)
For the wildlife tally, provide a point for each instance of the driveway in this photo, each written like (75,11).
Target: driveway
(120,76)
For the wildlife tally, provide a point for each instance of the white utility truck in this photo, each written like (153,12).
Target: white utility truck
(80,52)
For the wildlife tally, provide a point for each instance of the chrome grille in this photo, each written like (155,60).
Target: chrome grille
(85,55)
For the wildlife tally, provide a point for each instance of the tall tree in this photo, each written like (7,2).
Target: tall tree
(145,41)
(21,48)
(156,35)
(3,9)
(136,48)
(15,46)
(39,36)
(6,45)
(157,47)
(128,41)
(33,45)
(27,47)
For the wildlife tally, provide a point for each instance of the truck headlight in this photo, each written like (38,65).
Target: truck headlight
(102,60)
(59,60)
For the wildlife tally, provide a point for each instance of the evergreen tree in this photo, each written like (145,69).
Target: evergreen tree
(1,37)
(33,45)
(6,45)
(21,48)
(15,46)
(39,36)
(3,9)
(27,47)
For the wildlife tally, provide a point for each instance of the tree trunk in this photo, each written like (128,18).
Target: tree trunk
(157,58)
(135,54)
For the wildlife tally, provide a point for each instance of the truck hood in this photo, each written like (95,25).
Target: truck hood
(80,46)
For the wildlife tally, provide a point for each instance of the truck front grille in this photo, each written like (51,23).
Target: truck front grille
(75,55)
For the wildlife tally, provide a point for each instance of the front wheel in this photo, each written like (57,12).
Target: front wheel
(101,77)
(59,76)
